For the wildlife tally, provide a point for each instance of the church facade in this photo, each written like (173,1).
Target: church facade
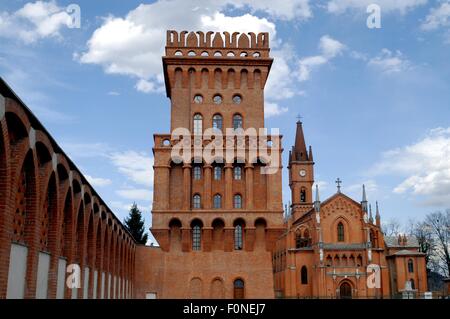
(217,209)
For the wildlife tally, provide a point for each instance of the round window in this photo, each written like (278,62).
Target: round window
(237,99)
(198,99)
(217,99)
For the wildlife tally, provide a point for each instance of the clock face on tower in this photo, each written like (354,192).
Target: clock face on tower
(302,173)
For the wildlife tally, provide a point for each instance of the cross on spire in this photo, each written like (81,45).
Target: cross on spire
(299,117)
(338,183)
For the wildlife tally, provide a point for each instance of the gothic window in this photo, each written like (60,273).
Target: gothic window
(217,201)
(410,265)
(217,173)
(304,275)
(238,291)
(196,201)
(237,201)
(298,241)
(238,237)
(197,172)
(340,232)
(196,237)
(237,121)
(217,122)
(303,195)
(198,124)
(237,173)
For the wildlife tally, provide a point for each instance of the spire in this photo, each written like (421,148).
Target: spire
(370,214)
(377,215)
(317,201)
(310,154)
(364,200)
(299,151)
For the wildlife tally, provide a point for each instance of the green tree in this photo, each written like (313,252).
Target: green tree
(135,225)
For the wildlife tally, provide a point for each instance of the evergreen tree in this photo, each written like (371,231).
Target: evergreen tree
(135,225)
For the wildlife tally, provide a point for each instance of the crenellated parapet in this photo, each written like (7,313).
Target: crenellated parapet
(217,44)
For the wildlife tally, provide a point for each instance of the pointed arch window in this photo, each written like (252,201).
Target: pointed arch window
(303,195)
(238,236)
(340,232)
(237,121)
(304,275)
(217,173)
(237,201)
(238,173)
(217,201)
(217,122)
(198,124)
(410,265)
(196,201)
(197,172)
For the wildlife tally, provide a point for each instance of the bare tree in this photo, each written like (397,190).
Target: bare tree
(439,226)
(424,236)
(391,228)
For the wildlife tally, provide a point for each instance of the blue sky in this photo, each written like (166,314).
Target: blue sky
(374,102)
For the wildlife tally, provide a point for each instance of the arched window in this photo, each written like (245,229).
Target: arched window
(217,173)
(237,201)
(304,275)
(237,173)
(238,237)
(298,240)
(217,122)
(196,201)
(413,286)
(196,236)
(340,232)
(217,201)
(197,172)
(238,291)
(198,124)
(410,265)
(303,195)
(237,121)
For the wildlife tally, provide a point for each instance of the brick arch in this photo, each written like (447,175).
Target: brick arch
(17,124)
(26,216)
(4,185)
(217,288)
(195,288)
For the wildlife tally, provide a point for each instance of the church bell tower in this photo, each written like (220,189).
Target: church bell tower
(301,174)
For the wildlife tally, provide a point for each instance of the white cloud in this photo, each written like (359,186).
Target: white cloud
(402,6)
(133,45)
(329,49)
(34,21)
(98,181)
(323,185)
(137,166)
(148,87)
(273,109)
(135,194)
(113,93)
(425,166)
(437,18)
(284,10)
(389,62)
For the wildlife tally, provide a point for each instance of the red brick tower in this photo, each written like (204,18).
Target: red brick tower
(216,221)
